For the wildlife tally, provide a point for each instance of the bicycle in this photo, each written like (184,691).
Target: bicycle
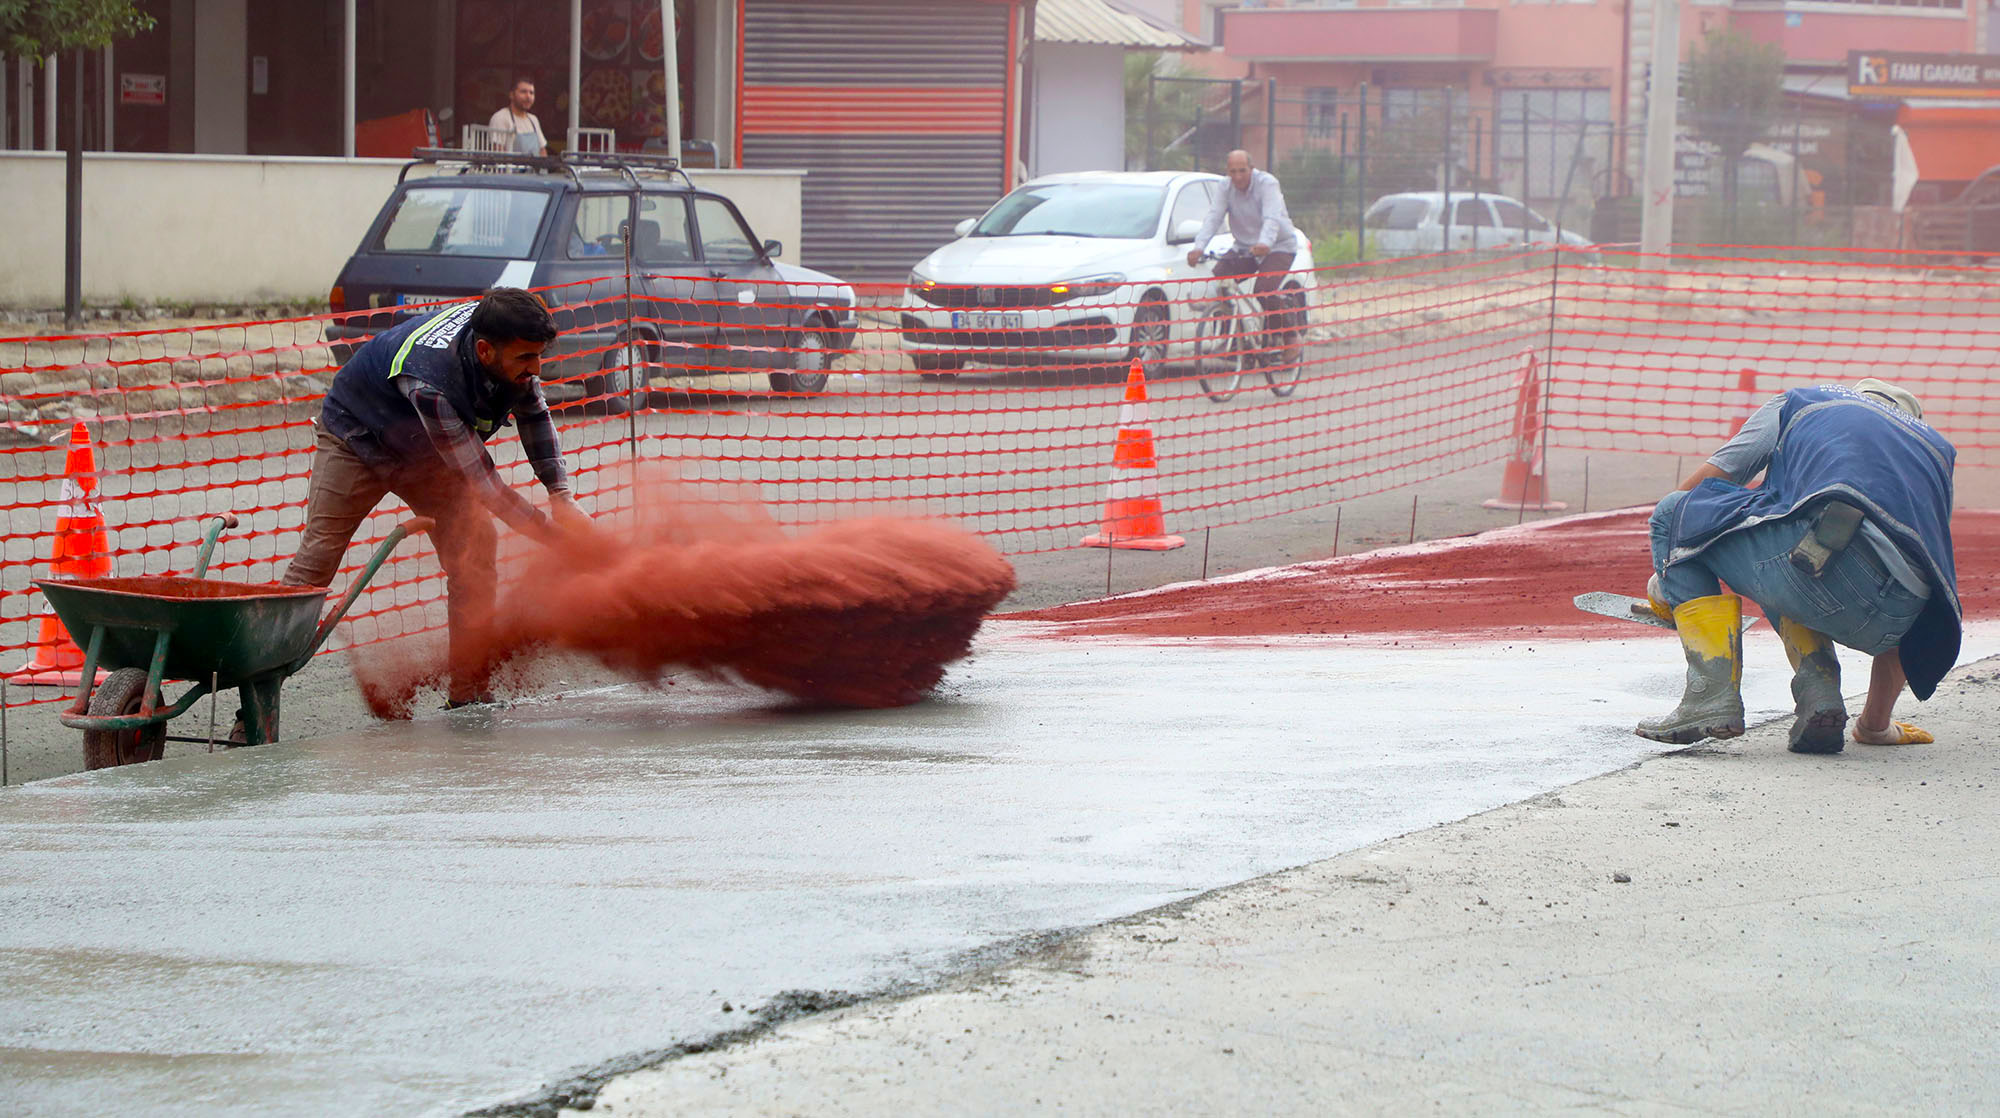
(1228,347)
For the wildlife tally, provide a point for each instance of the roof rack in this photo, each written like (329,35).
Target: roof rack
(569,163)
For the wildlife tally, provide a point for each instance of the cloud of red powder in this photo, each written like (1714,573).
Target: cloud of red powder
(861,613)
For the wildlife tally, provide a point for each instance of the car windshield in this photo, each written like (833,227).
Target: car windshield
(1398,213)
(1075,209)
(465,221)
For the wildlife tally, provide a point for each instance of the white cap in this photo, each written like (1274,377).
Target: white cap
(1895,396)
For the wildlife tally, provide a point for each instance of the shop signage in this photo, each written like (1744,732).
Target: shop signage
(1889,73)
(142,89)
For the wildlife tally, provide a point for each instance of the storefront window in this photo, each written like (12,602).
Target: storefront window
(624,81)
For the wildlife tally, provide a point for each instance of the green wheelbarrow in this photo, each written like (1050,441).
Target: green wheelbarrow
(216,634)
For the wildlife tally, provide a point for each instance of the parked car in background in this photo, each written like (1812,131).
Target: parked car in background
(705,293)
(1969,222)
(1089,267)
(1431,221)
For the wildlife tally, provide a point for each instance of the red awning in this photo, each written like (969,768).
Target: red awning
(1952,143)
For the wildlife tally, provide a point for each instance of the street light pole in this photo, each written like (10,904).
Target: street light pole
(670,56)
(347,25)
(1656,228)
(73,201)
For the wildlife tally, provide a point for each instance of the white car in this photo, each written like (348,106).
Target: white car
(1415,223)
(1075,268)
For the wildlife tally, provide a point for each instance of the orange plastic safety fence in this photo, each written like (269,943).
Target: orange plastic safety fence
(994,406)
(1672,355)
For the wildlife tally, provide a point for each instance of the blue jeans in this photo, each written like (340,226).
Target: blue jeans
(1855,601)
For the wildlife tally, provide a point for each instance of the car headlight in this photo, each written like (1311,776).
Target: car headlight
(1089,287)
(924,287)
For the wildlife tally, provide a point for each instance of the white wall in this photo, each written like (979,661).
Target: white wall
(1079,110)
(221,76)
(240,229)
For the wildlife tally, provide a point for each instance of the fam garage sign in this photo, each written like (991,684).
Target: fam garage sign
(1888,74)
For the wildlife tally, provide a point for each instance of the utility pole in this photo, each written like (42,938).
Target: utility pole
(1663,92)
(670,58)
(73,201)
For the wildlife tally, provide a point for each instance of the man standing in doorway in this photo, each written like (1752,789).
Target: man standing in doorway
(516,119)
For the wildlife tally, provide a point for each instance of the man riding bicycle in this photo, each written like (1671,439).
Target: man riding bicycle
(1255,209)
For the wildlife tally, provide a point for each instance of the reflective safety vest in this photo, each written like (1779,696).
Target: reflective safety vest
(366,410)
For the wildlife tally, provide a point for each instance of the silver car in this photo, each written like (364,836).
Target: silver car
(1431,221)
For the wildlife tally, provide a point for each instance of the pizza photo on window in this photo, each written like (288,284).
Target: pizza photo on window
(649,101)
(607,28)
(607,98)
(649,33)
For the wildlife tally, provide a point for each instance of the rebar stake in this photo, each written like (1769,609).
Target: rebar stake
(1413,518)
(1336,531)
(1206,534)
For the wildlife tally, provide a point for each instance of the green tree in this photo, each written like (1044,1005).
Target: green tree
(38,28)
(1733,86)
(1175,109)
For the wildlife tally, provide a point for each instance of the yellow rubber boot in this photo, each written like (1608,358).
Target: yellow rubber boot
(1711,632)
(1821,713)
(1659,605)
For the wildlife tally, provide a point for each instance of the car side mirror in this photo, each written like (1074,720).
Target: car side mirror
(1185,232)
(772,248)
(964,227)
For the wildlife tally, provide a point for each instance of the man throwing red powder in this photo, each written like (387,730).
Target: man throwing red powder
(410,414)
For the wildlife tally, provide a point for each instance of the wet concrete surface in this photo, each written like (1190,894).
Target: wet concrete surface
(441,915)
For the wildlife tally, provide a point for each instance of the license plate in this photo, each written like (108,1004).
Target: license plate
(411,298)
(986,320)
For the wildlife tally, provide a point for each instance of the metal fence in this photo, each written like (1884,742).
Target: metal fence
(1819,177)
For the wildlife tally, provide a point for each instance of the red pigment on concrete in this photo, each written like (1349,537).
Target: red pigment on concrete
(862,613)
(1505,584)
(176,586)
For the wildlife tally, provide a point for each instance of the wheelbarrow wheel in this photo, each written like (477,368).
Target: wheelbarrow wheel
(122,692)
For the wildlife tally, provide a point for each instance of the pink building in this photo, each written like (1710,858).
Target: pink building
(1555,89)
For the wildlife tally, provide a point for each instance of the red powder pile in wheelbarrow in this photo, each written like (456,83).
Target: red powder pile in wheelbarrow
(861,613)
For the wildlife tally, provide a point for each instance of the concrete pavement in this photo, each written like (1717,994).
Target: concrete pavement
(1732,928)
(448,914)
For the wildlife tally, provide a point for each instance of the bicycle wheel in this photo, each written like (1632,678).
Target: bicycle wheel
(1219,349)
(1286,360)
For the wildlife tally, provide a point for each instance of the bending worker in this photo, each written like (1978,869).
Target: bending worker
(1848,541)
(410,414)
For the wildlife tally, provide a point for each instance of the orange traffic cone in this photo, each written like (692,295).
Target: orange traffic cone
(80,551)
(1132,516)
(1523,485)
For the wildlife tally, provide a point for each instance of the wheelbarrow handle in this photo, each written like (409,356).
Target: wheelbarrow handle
(416,525)
(216,525)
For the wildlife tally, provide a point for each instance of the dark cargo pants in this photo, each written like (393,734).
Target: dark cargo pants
(344,489)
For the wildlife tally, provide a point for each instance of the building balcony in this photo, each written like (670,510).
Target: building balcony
(1826,33)
(1360,34)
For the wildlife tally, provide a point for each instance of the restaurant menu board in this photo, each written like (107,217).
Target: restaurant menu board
(624,83)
